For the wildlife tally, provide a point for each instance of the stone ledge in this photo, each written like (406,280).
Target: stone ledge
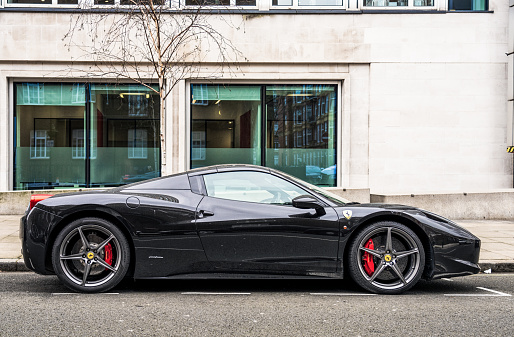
(495,205)
(16,202)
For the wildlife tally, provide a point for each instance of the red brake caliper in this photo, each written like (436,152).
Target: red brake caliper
(369,265)
(108,254)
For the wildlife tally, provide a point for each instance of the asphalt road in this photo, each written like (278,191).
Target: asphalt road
(479,305)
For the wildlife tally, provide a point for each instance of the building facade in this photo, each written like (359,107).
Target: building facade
(392,96)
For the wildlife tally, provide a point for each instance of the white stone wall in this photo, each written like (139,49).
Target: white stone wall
(423,99)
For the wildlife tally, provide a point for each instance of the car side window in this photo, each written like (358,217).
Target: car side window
(251,186)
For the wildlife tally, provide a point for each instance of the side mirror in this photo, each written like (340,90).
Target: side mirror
(308,202)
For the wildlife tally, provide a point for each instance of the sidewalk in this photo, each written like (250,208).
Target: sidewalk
(497,252)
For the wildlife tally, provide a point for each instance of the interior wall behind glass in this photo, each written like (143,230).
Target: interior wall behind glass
(301,131)
(226,125)
(49,136)
(125,128)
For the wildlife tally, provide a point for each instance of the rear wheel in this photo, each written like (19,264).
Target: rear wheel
(91,255)
(386,257)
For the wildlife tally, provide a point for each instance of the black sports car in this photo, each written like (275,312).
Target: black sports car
(238,221)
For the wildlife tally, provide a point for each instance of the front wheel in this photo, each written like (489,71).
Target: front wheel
(386,258)
(91,255)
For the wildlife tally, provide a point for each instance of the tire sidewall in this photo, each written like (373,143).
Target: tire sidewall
(353,258)
(124,247)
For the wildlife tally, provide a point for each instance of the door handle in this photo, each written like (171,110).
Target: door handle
(203,214)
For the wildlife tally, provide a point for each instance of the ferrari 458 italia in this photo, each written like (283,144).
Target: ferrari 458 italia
(238,221)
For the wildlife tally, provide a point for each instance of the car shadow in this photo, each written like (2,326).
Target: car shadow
(289,286)
(29,282)
(239,285)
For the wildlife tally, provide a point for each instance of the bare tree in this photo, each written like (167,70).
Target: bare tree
(143,40)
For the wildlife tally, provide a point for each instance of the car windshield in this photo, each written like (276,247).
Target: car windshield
(329,195)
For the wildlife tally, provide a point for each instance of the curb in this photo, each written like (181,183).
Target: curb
(497,267)
(14,265)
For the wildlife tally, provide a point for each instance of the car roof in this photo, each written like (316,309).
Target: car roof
(227,167)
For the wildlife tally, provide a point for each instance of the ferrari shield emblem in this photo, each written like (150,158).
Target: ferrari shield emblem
(347,214)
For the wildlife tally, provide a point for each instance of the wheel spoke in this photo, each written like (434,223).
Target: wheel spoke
(377,272)
(372,252)
(105,264)
(406,253)
(389,241)
(398,272)
(77,256)
(106,241)
(87,269)
(83,238)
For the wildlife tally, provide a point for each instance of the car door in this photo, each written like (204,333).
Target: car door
(247,223)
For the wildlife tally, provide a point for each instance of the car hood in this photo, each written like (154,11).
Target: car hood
(422,216)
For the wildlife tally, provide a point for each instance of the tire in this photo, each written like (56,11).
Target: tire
(386,266)
(91,255)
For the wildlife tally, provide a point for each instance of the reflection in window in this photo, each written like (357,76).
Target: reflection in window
(198,145)
(299,120)
(423,3)
(38,141)
(307,2)
(33,93)
(387,3)
(301,131)
(137,140)
(250,186)
(207,2)
(225,124)
(34,2)
(50,124)
(320,2)
(141,2)
(78,149)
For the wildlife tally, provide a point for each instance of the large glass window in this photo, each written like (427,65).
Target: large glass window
(226,125)
(295,134)
(54,123)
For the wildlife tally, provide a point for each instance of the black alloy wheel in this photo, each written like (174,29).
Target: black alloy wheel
(386,258)
(91,255)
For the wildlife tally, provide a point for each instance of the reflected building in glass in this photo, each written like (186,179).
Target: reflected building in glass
(296,132)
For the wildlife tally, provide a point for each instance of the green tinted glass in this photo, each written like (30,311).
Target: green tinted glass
(301,131)
(49,136)
(226,125)
(125,145)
